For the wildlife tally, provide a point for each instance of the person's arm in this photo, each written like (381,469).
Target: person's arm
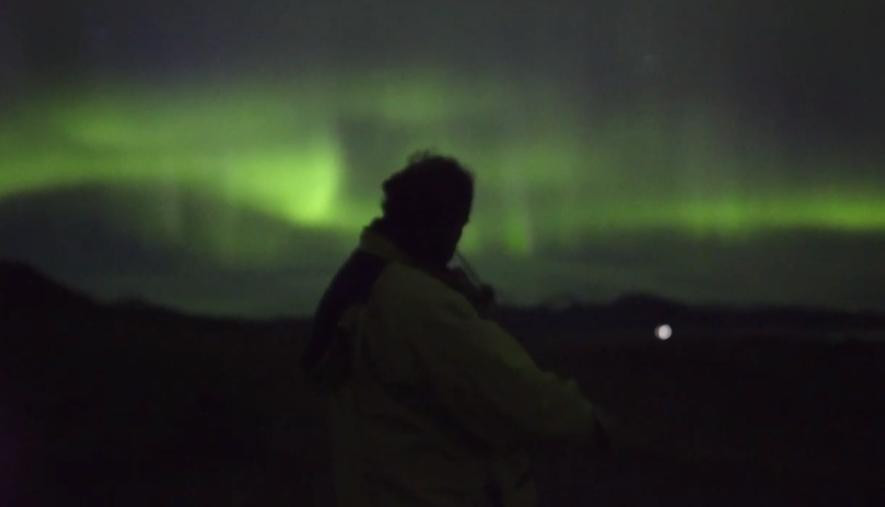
(491,385)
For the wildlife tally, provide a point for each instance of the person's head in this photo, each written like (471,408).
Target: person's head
(426,206)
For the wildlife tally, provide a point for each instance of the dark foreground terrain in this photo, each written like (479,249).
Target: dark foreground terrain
(133,405)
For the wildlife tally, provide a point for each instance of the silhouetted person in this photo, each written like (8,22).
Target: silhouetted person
(431,404)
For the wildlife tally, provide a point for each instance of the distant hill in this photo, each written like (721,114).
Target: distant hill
(24,288)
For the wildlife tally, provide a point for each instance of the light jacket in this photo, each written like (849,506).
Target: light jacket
(439,403)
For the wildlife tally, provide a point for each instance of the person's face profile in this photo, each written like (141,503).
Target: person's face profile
(440,242)
(452,236)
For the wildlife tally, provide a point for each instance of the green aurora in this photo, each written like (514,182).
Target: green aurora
(312,152)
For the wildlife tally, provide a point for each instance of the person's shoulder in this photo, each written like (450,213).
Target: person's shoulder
(402,281)
(407,287)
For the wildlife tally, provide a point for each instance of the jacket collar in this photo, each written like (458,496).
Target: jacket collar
(375,242)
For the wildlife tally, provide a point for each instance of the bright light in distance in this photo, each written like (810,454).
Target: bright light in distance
(664,332)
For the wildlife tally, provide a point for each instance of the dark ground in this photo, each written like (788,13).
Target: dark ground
(132,405)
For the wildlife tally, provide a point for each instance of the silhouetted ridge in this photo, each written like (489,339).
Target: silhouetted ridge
(646,302)
(646,308)
(561,301)
(23,287)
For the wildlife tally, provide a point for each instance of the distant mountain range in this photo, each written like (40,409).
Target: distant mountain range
(24,289)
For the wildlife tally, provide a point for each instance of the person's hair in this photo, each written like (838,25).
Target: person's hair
(432,190)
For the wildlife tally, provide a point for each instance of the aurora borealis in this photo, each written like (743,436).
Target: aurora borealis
(232,177)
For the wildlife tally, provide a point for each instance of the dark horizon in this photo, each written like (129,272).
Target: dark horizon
(27,290)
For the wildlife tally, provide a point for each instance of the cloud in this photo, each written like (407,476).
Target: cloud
(90,237)
(96,238)
(777,266)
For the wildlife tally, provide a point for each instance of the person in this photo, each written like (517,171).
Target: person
(430,403)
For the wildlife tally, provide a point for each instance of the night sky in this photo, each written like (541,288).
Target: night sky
(223,156)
